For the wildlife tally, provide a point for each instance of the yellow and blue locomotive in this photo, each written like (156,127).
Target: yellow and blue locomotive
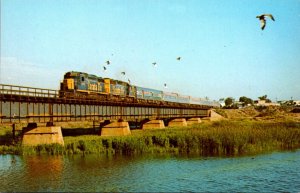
(83,85)
(80,84)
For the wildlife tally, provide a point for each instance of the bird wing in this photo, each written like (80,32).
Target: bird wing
(270,16)
(262,24)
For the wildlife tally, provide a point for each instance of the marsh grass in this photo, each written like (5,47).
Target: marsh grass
(223,138)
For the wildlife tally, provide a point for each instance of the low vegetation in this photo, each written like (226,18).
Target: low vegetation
(223,138)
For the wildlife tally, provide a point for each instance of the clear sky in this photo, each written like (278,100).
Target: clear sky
(223,51)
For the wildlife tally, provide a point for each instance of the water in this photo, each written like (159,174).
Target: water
(277,172)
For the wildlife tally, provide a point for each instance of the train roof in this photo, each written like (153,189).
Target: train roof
(76,73)
(148,89)
(90,76)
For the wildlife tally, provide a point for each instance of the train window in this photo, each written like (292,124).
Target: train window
(82,78)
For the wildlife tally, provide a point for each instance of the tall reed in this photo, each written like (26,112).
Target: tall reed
(224,138)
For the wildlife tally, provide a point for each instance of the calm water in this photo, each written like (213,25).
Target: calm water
(275,172)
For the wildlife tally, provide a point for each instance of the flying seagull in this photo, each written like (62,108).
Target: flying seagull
(123,73)
(108,62)
(104,68)
(262,19)
(154,64)
(179,58)
(165,85)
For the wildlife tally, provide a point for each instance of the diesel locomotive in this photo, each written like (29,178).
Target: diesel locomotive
(83,85)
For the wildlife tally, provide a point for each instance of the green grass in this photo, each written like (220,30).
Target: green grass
(224,138)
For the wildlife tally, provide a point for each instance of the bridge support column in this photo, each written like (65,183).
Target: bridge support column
(33,136)
(177,122)
(14,132)
(154,124)
(214,116)
(192,121)
(115,129)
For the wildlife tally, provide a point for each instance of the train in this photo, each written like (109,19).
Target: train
(83,85)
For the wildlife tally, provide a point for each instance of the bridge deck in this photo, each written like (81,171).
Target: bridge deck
(26,104)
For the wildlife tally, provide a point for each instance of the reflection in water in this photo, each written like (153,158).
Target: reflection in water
(268,173)
(30,173)
(43,169)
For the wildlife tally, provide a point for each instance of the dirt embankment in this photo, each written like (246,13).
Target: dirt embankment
(273,113)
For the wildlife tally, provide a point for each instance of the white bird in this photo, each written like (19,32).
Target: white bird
(165,85)
(178,58)
(108,62)
(262,19)
(104,68)
(123,73)
(154,64)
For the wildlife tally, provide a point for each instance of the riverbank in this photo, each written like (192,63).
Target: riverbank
(222,138)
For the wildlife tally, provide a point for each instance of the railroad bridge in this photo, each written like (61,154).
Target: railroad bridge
(19,104)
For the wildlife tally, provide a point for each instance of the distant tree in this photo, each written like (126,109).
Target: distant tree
(264,97)
(229,101)
(246,100)
(268,101)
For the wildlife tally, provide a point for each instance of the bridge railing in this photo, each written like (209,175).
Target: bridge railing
(27,91)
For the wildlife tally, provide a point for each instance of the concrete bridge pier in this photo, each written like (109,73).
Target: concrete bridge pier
(153,124)
(192,121)
(213,116)
(177,122)
(37,135)
(115,128)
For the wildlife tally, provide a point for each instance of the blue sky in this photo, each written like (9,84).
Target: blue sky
(224,52)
